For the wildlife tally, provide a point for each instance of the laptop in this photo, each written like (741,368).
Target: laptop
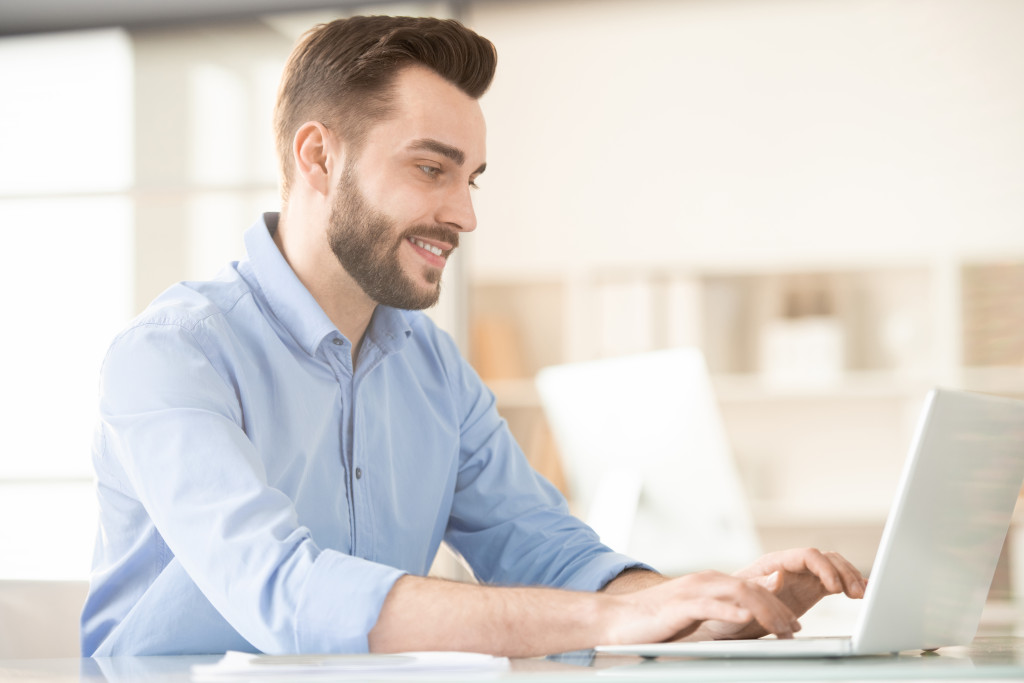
(940,544)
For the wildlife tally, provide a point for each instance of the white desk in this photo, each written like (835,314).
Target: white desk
(988,658)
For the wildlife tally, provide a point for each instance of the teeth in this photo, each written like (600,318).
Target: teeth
(429,247)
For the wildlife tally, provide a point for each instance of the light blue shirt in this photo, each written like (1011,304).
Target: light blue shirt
(256,493)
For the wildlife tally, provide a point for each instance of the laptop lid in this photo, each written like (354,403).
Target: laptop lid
(946,527)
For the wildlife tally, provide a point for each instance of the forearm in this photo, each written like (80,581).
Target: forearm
(633,579)
(432,614)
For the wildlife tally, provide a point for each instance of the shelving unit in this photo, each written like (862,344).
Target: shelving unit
(855,330)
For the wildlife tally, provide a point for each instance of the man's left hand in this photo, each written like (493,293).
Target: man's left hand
(800,578)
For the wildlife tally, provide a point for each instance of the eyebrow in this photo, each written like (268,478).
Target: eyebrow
(453,153)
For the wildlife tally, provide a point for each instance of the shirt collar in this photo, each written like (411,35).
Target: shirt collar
(389,328)
(293,305)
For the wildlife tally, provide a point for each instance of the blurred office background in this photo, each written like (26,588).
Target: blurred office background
(826,198)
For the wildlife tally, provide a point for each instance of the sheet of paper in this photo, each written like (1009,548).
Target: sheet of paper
(238,666)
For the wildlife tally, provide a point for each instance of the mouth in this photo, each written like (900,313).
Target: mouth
(432,248)
(434,252)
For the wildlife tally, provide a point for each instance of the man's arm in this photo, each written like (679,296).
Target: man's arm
(431,614)
(511,528)
(633,579)
(511,525)
(180,475)
(636,606)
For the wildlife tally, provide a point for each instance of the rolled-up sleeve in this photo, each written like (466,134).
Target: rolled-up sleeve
(173,439)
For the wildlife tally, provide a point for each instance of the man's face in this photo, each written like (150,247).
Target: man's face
(401,204)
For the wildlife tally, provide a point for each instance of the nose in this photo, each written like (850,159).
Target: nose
(457,209)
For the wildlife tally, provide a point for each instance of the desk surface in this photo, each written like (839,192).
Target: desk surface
(986,658)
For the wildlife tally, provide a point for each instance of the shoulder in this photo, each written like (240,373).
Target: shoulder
(182,347)
(189,317)
(193,304)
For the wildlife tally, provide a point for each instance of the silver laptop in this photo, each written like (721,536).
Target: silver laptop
(940,545)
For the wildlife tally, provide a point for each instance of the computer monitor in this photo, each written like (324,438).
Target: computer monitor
(647,460)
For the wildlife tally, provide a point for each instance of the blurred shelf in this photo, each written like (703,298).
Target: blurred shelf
(852,385)
(868,384)
(994,379)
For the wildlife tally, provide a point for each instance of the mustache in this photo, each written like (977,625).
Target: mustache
(441,233)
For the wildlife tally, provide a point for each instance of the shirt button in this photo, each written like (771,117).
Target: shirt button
(337,342)
(359,473)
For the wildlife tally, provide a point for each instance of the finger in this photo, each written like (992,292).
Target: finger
(767,609)
(711,610)
(854,583)
(697,598)
(791,560)
(825,569)
(772,582)
(772,615)
(833,571)
(844,577)
(763,566)
(705,609)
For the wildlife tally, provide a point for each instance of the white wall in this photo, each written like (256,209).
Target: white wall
(760,131)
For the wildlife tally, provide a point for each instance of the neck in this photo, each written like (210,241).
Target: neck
(309,255)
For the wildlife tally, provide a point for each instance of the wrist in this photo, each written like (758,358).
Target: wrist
(611,614)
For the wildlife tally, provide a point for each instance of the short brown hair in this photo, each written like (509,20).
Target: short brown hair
(341,73)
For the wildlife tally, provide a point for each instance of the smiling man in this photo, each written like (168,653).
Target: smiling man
(281,450)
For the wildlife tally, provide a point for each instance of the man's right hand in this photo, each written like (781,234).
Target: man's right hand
(675,608)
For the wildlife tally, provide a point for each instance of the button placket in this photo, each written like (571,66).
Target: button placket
(341,363)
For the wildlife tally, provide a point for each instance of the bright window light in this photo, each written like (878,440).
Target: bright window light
(67,113)
(66,218)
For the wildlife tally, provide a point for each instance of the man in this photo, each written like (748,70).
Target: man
(282,450)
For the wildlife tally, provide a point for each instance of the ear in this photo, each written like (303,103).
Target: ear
(311,150)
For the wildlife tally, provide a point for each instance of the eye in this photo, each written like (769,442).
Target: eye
(432,171)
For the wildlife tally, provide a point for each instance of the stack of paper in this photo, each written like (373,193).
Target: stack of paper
(241,666)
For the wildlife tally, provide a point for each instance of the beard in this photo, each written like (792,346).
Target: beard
(366,242)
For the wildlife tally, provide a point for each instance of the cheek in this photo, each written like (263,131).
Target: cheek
(405,203)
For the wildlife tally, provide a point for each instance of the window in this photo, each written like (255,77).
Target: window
(66,273)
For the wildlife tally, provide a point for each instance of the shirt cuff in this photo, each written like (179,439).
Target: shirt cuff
(603,569)
(340,603)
